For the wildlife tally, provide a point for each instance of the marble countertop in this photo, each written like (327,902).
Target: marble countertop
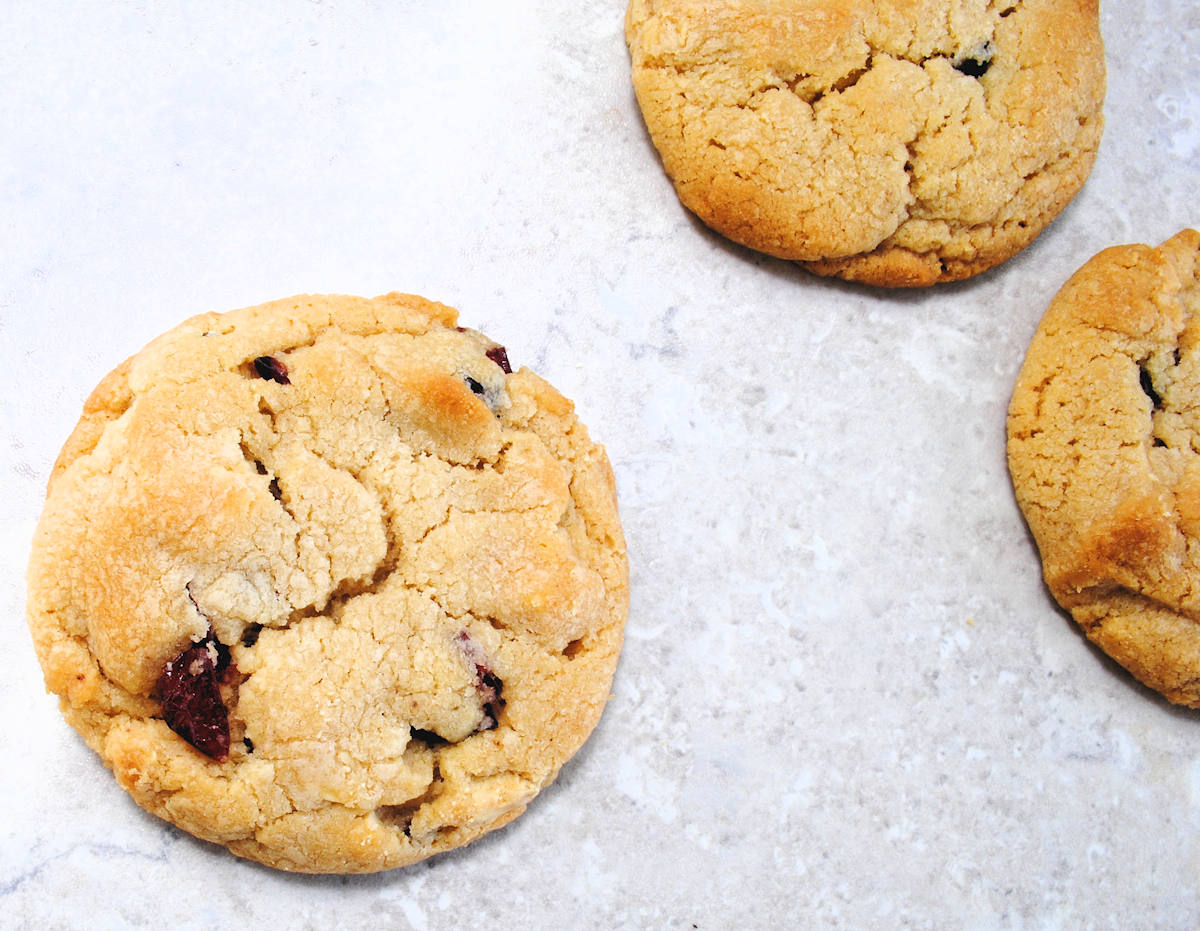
(846,698)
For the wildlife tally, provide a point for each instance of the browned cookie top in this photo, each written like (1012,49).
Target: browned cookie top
(896,142)
(325,582)
(1104,451)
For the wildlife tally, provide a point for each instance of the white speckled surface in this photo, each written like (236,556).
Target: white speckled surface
(846,699)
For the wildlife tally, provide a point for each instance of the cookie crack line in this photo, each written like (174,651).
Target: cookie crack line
(269,368)
(1095,594)
(968,65)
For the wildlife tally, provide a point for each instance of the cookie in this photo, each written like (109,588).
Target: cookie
(893,143)
(1104,452)
(325,582)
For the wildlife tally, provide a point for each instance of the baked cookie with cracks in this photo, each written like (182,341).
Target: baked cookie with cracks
(326,582)
(893,142)
(1104,452)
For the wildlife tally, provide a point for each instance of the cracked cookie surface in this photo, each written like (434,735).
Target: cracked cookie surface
(1104,452)
(898,143)
(325,582)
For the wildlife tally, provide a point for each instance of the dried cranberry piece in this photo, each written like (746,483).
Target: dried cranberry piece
(271,369)
(499,355)
(489,686)
(191,697)
(486,681)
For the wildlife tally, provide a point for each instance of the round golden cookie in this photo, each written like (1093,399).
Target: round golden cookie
(324,582)
(1104,452)
(894,142)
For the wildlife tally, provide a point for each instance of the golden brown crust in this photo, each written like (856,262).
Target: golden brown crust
(413,557)
(845,134)
(1103,441)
